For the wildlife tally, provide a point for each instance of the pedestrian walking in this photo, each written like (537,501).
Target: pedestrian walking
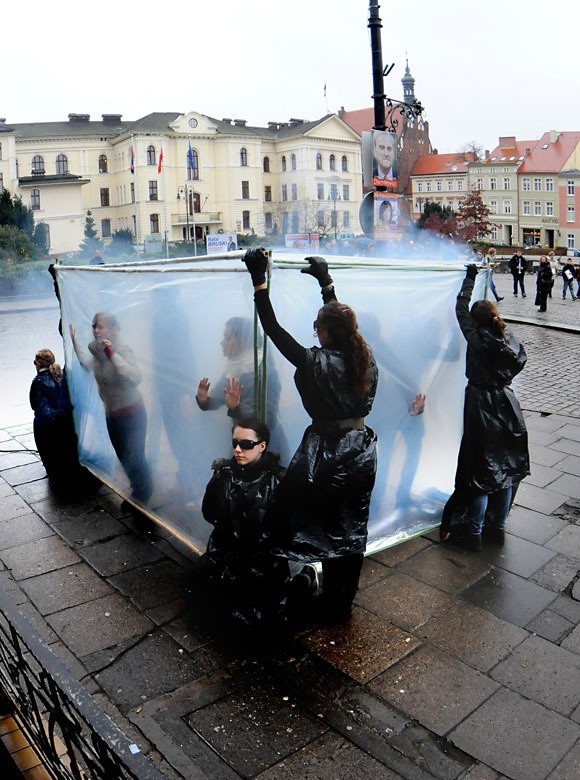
(544,279)
(568,274)
(518,267)
(554,265)
(493,456)
(489,261)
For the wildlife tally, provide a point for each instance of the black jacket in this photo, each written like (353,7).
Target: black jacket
(514,262)
(544,277)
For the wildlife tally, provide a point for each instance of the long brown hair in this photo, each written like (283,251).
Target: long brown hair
(485,314)
(45,358)
(341,325)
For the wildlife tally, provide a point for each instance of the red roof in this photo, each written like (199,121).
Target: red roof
(550,153)
(509,151)
(363,119)
(444,164)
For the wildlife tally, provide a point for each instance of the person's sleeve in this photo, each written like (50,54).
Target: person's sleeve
(126,365)
(84,358)
(464,318)
(288,346)
(328,295)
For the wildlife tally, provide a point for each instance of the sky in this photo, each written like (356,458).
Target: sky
(481,71)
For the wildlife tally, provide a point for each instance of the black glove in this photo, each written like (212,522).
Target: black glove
(256,261)
(318,269)
(471,272)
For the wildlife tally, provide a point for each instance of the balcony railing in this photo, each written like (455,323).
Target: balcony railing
(199,218)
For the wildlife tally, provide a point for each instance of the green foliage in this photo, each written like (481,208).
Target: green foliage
(15,245)
(438,219)
(90,243)
(122,236)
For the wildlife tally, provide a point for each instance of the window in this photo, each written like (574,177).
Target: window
(246,220)
(268,220)
(154,223)
(151,161)
(266,166)
(460,185)
(35,199)
(526,184)
(493,206)
(320,191)
(333,192)
(449,185)
(506,182)
(537,185)
(245,190)
(103,164)
(344,163)
(494,233)
(37,165)
(549,185)
(571,214)
(549,208)
(332,162)
(569,185)
(570,240)
(507,207)
(429,186)
(537,208)
(319,163)
(479,184)
(268,194)
(283,163)
(284,192)
(320,218)
(61,164)
(294,192)
(132,192)
(106,228)
(152,191)
(243,157)
(346,192)
(192,160)
(105,199)
(346,219)
(526,209)
(493,183)
(438,186)
(293,162)
(196,203)
(419,186)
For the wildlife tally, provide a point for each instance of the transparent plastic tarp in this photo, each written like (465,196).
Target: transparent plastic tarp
(185,321)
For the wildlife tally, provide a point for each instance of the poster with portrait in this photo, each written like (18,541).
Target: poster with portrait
(221,242)
(380,160)
(386,216)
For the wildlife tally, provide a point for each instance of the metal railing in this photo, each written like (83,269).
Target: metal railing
(53,710)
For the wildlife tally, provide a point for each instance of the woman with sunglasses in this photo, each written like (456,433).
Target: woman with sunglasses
(250,582)
(322,504)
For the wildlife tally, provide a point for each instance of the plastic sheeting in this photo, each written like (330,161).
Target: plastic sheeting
(177,319)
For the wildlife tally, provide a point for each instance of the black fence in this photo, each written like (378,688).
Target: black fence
(73,737)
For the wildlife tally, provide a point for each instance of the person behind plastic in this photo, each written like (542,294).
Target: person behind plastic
(249,581)
(493,456)
(322,504)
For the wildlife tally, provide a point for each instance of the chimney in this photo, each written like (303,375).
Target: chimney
(111,119)
(240,122)
(79,117)
(507,141)
(227,121)
(272,125)
(528,150)
(554,135)
(294,122)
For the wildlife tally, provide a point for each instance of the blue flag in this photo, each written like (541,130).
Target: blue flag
(190,164)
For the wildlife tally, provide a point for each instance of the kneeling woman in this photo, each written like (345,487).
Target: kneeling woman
(250,582)
(493,456)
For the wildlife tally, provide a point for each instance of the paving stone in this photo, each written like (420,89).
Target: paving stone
(480,772)
(533,526)
(97,624)
(22,529)
(120,554)
(567,607)
(539,499)
(568,484)
(542,476)
(572,641)
(473,635)
(570,431)
(549,424)
(557,573)
(445,567)
(12,588)
(509,597)
(434,688)
(543,672)
(541,438)
(187,635)
(152,584)
(12,506)
(63,588)
(517,555)
(566,445)
(510,733)
(95,526)
(571,465)
(569,767)
(550,625)
(431,753)
(404,601)
(38,557)
(31,492)
(545,456)
(5,489)
(400,552)
(10,460)
(363,646)
(21,474)
(153,666)
(327,758)
(37,622)
(567,542)
(371,573)
(372,712)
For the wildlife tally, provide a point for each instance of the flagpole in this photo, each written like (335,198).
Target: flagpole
(161,162)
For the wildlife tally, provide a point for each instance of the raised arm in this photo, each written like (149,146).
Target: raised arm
(464,318)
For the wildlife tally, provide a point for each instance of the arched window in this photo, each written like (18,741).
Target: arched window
(266,165)
(332,162)
(35,199)
(196,202)
(293,162)
(61,164)
(151,157)
(103,164)
(192,164)
(283,163)
(344,163)
(154,223)
(318,162)
(243,156)
(37,165)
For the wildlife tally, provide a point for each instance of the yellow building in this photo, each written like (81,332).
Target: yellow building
(213,176)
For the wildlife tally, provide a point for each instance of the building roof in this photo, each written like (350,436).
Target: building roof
(509,150)
(442,164)
(363,120)
(551,152)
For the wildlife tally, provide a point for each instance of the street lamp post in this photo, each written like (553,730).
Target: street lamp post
(188,192)
(334,195)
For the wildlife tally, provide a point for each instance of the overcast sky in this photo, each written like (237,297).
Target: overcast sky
(481,70)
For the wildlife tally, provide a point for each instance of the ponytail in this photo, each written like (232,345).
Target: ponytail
(341,325)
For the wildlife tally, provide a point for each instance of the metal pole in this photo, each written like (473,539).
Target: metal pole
(377,60)
(186,213)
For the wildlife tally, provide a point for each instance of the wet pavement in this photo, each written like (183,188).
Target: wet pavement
(454,664)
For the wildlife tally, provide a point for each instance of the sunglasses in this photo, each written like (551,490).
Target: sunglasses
(245,444)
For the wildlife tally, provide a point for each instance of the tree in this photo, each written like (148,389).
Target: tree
(90,242)
(15,244)
(14,212)
(472,152)
(121,242)
(438,219)
(16,229)
(472,217)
